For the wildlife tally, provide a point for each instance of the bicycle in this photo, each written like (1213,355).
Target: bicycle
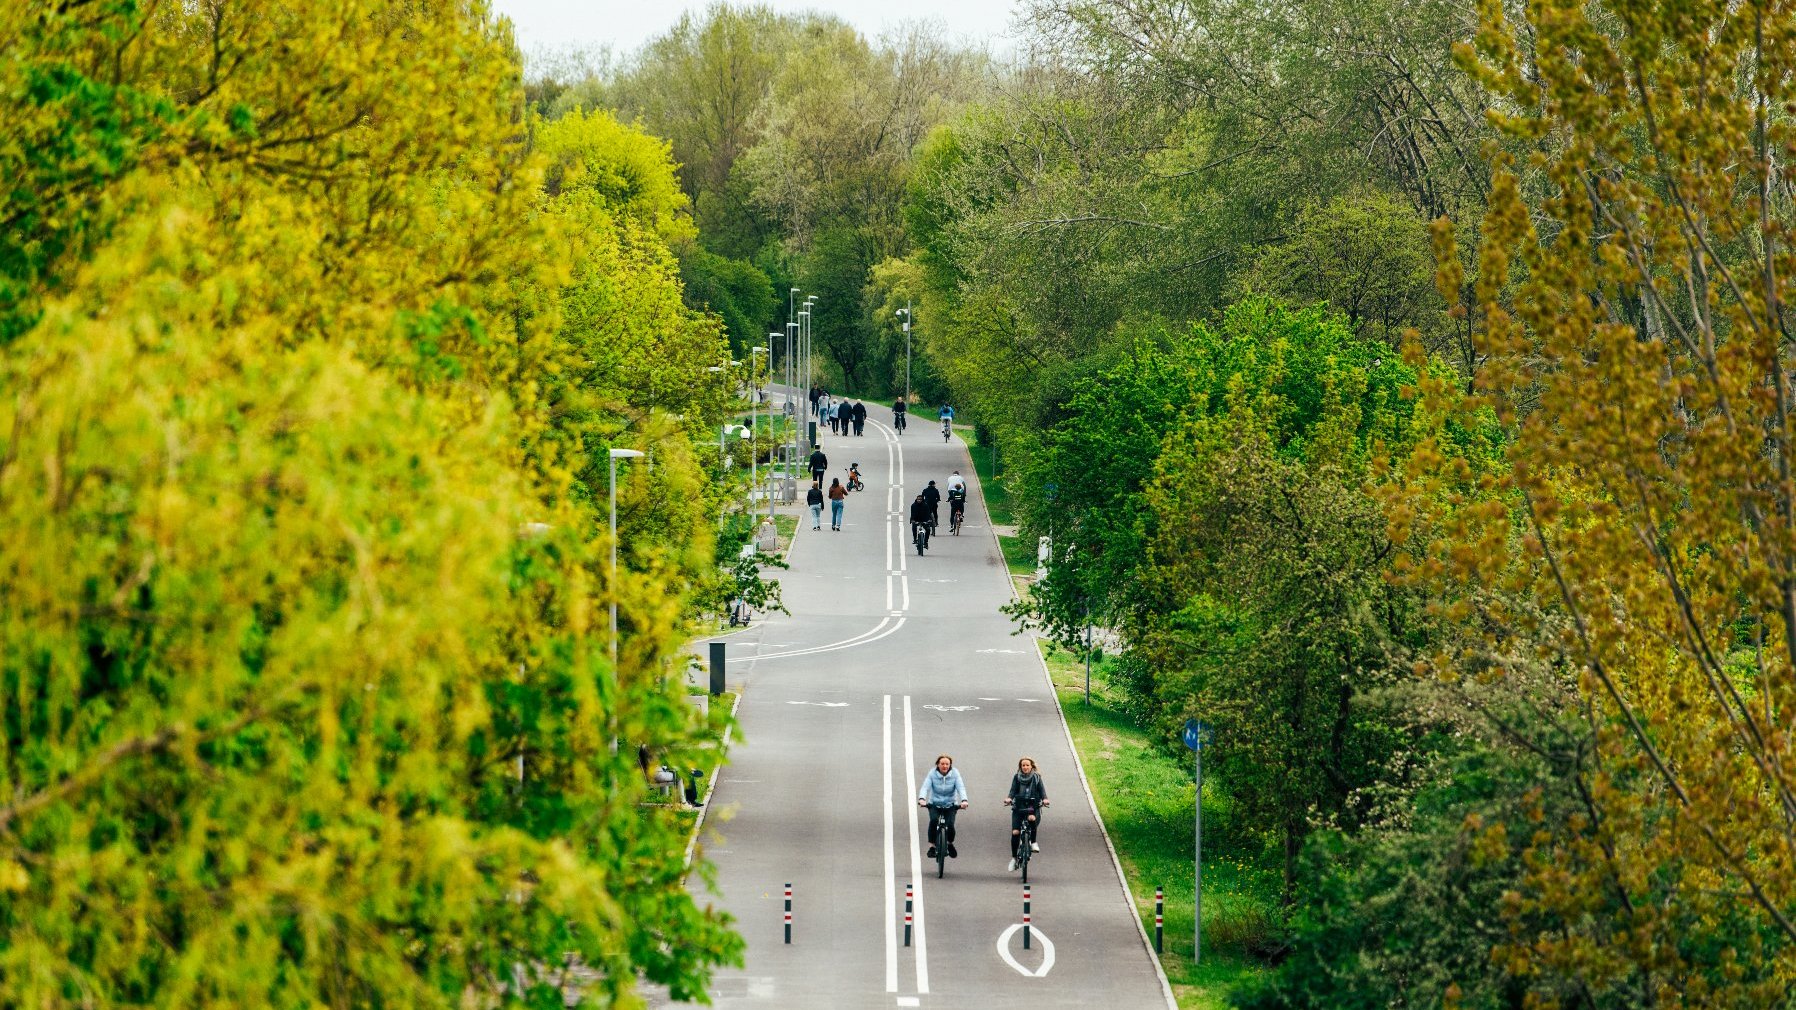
(919,534)
(938,819)
(957,511)
(898,423)
(946,426)
(1026,841)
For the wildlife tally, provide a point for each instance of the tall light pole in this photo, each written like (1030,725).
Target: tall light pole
(616,454)
(791,394)
(754,428)
(810,338)
(905,312)
(804,343)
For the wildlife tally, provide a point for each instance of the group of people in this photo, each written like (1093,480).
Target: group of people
(925,509)
(944,792)
(844,417)
(836,495)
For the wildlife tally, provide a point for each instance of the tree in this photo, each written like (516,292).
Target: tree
(304,699)
(1368,258)
(1642,370)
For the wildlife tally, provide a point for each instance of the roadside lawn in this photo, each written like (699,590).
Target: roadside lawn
(1145,799)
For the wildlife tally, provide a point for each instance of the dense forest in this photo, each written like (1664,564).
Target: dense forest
(1406,389)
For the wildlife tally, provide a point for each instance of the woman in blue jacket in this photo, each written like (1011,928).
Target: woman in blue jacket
(945,795)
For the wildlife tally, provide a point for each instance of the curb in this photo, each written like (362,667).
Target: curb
(724,760)
(1091,800)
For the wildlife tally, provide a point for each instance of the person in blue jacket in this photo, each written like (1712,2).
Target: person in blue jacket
(945,795)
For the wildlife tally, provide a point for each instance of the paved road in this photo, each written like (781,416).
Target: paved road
(887,660)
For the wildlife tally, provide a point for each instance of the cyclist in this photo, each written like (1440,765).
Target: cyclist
(934,498)
(899,410)
(947,416)
(854,478)
(957,505)
(945,794)
(919,519)
(1027,797)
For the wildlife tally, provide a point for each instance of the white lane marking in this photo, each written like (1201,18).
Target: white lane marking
(885,772)
(821,704)
(904,580)
(909,1001)
(991,699)
(1031,701)
(938,708)
(1035,936)
(861,639)
(1007,652)
(916,852)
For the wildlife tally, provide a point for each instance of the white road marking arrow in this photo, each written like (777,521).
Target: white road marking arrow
(1047,951)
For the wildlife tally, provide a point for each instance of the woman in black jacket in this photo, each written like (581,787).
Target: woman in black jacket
(1027,797)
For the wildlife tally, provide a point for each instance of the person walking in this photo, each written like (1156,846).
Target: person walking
(838,496)
(814,498)
(860,417)
(819,465)
(816,393)
(834,413)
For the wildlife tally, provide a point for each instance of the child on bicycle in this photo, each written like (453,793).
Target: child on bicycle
(945,794)
(1027,797)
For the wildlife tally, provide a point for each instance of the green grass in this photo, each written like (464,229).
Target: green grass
(997,496)
(1145,798)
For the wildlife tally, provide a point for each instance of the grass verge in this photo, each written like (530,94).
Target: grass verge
(1145,799)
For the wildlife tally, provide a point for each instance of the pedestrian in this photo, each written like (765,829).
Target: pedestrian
(860,417)
(819,464)
(814,498)
(838,496)
(815,393)
(833,413)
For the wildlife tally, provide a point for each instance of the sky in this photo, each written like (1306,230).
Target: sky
(626,24)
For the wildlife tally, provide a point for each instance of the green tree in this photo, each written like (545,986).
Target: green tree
(306,701)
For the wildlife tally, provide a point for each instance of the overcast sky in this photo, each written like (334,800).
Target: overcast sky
(626,24)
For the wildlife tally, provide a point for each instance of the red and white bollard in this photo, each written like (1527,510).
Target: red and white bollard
(788,913)
(1025,916)
(1159,918)
(907,899)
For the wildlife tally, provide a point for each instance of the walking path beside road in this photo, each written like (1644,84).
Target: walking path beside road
(887,660)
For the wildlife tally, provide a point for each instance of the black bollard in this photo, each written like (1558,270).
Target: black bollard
(907,898)
(1025,916)
(1159,918)
(717,661)
(788,913)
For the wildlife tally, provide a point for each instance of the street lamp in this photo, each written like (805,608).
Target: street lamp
(905,312)
(754,445)
(616,454)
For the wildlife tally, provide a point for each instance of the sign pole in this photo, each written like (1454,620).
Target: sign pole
(1197,945)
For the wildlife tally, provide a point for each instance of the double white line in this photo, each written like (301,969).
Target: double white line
(919,941)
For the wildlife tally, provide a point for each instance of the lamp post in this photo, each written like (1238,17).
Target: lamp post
(810,337)
(754,417)
(616,454)
(804,341)
(905,312)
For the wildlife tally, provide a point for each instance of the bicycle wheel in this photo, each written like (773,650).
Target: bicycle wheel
(1023,850)
(941,848)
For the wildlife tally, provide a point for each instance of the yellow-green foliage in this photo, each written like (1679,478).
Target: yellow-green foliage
(295,348)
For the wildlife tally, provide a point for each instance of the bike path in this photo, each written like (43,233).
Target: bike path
(887,660)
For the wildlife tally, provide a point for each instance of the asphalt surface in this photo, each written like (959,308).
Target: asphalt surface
(887,660)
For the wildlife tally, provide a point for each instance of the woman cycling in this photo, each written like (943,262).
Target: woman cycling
(945,795)
(1027,797)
